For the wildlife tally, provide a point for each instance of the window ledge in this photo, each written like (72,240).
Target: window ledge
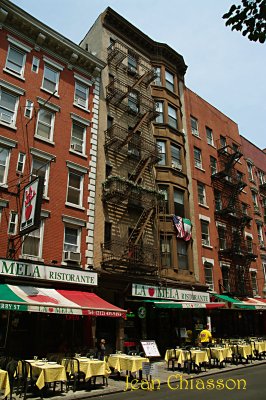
(48,91)
(203,205)
(201,169)
(33,258)
(14,74)
(212,145)
(78,153)
(3,186)
(74,206)
(81,108)
(197,136)
(207,246)
(44,139)
(13,127)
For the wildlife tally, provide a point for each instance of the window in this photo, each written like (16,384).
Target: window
(254,283)
(28,109)
(244,208)
(255,200)
(75,188)
(15,61)
(40,167)
(197,158)
(107,235)
(166,245)
(208,275)
(50,79)
(182,256)
(32,245)
(158,79)
(250,172)
(35,64)
(194,126)
(205,237)
(108,170)
(176,157)
(179,208)
(4,164)
(159,109)
(110,121)
(81,97)
(209,136)
(164,192)
(264,270)
(222,237)
(249,244)
(169,81)
(226,279)
(201,194)
(78,137)
(132,62)
(223,142)
(8,107)
(172,117)
(45,124)
(235,147)
(72,239)
(162,152)
(133,102)
(239,176)
(261,177)
(218,200)
(21,163)
(213,165)
(260,234)
(13,221)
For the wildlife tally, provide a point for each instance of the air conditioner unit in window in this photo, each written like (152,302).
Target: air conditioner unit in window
(76,147)
(72,256)
(177,166)
(6,118)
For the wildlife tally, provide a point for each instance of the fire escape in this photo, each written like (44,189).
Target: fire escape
(130,139)
(236,250)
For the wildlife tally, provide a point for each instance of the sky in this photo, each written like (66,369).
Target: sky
(224,68)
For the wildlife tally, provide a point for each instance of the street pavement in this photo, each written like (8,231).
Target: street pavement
(169,384)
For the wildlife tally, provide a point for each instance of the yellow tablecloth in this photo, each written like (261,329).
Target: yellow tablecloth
(47,372)
(170,353)
(220,353)
(199,356)
(260,346)
(93,367)
(121,362)
(244,350)
(4,382)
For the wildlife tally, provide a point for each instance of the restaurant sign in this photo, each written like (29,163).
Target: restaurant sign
(168,293)
(45,272)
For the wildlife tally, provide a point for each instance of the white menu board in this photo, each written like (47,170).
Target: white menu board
(150,348)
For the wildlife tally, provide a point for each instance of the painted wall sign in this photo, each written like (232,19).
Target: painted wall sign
(31,206)
(168,293)
(46,272)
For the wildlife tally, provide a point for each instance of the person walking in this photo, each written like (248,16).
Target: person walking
(205,336)
(101,349)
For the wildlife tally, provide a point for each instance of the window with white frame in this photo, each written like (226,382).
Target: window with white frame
(33,241)
(179,207)
(205,234)
(35,64)
(182,256)
(254,283)
(208,271)
(4,164)
(169,81)
(13,222)
(40,167)
(223,143)
(72,237)
(132,62)
(162,150)
(78,137)
(28,109)
(194,126)
(201,194)
(213,165)
(260,234)
(75,187)
(81,97)
(261,177)
(172,116)
(255,200)
(133,101)
(197,158)
(209,136)
(21,163)
(250,171)
(166,251)
(158,79)
(50,79)
(164,192)
(45,124)
(159,109)
(222,237)
(226,278)
(217,200)
(8,107)
(15,60)
(264,270)
(249,244)
(176,157)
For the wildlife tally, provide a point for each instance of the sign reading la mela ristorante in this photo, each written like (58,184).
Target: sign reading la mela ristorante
(168,293)
(46,272)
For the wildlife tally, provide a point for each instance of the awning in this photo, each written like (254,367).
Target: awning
(252,304)
(186,304)
(29,298)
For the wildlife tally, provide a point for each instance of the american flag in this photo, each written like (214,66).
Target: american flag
(178,222)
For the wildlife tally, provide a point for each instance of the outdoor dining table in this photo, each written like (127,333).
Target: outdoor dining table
(47,372)
(220,353)
(124,362)
(244,350)
(92,367)
(260,347)
(181,355)
(4,383)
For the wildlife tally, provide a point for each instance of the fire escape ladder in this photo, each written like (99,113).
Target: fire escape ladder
(138,231)
(140,121)
(140,168)
(146,78)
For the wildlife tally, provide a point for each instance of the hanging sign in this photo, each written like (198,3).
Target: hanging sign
(31,206)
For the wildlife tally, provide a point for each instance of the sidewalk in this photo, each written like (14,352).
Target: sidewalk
(116,385)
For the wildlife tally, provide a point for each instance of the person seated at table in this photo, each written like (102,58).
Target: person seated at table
(205,336)
(101,349)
